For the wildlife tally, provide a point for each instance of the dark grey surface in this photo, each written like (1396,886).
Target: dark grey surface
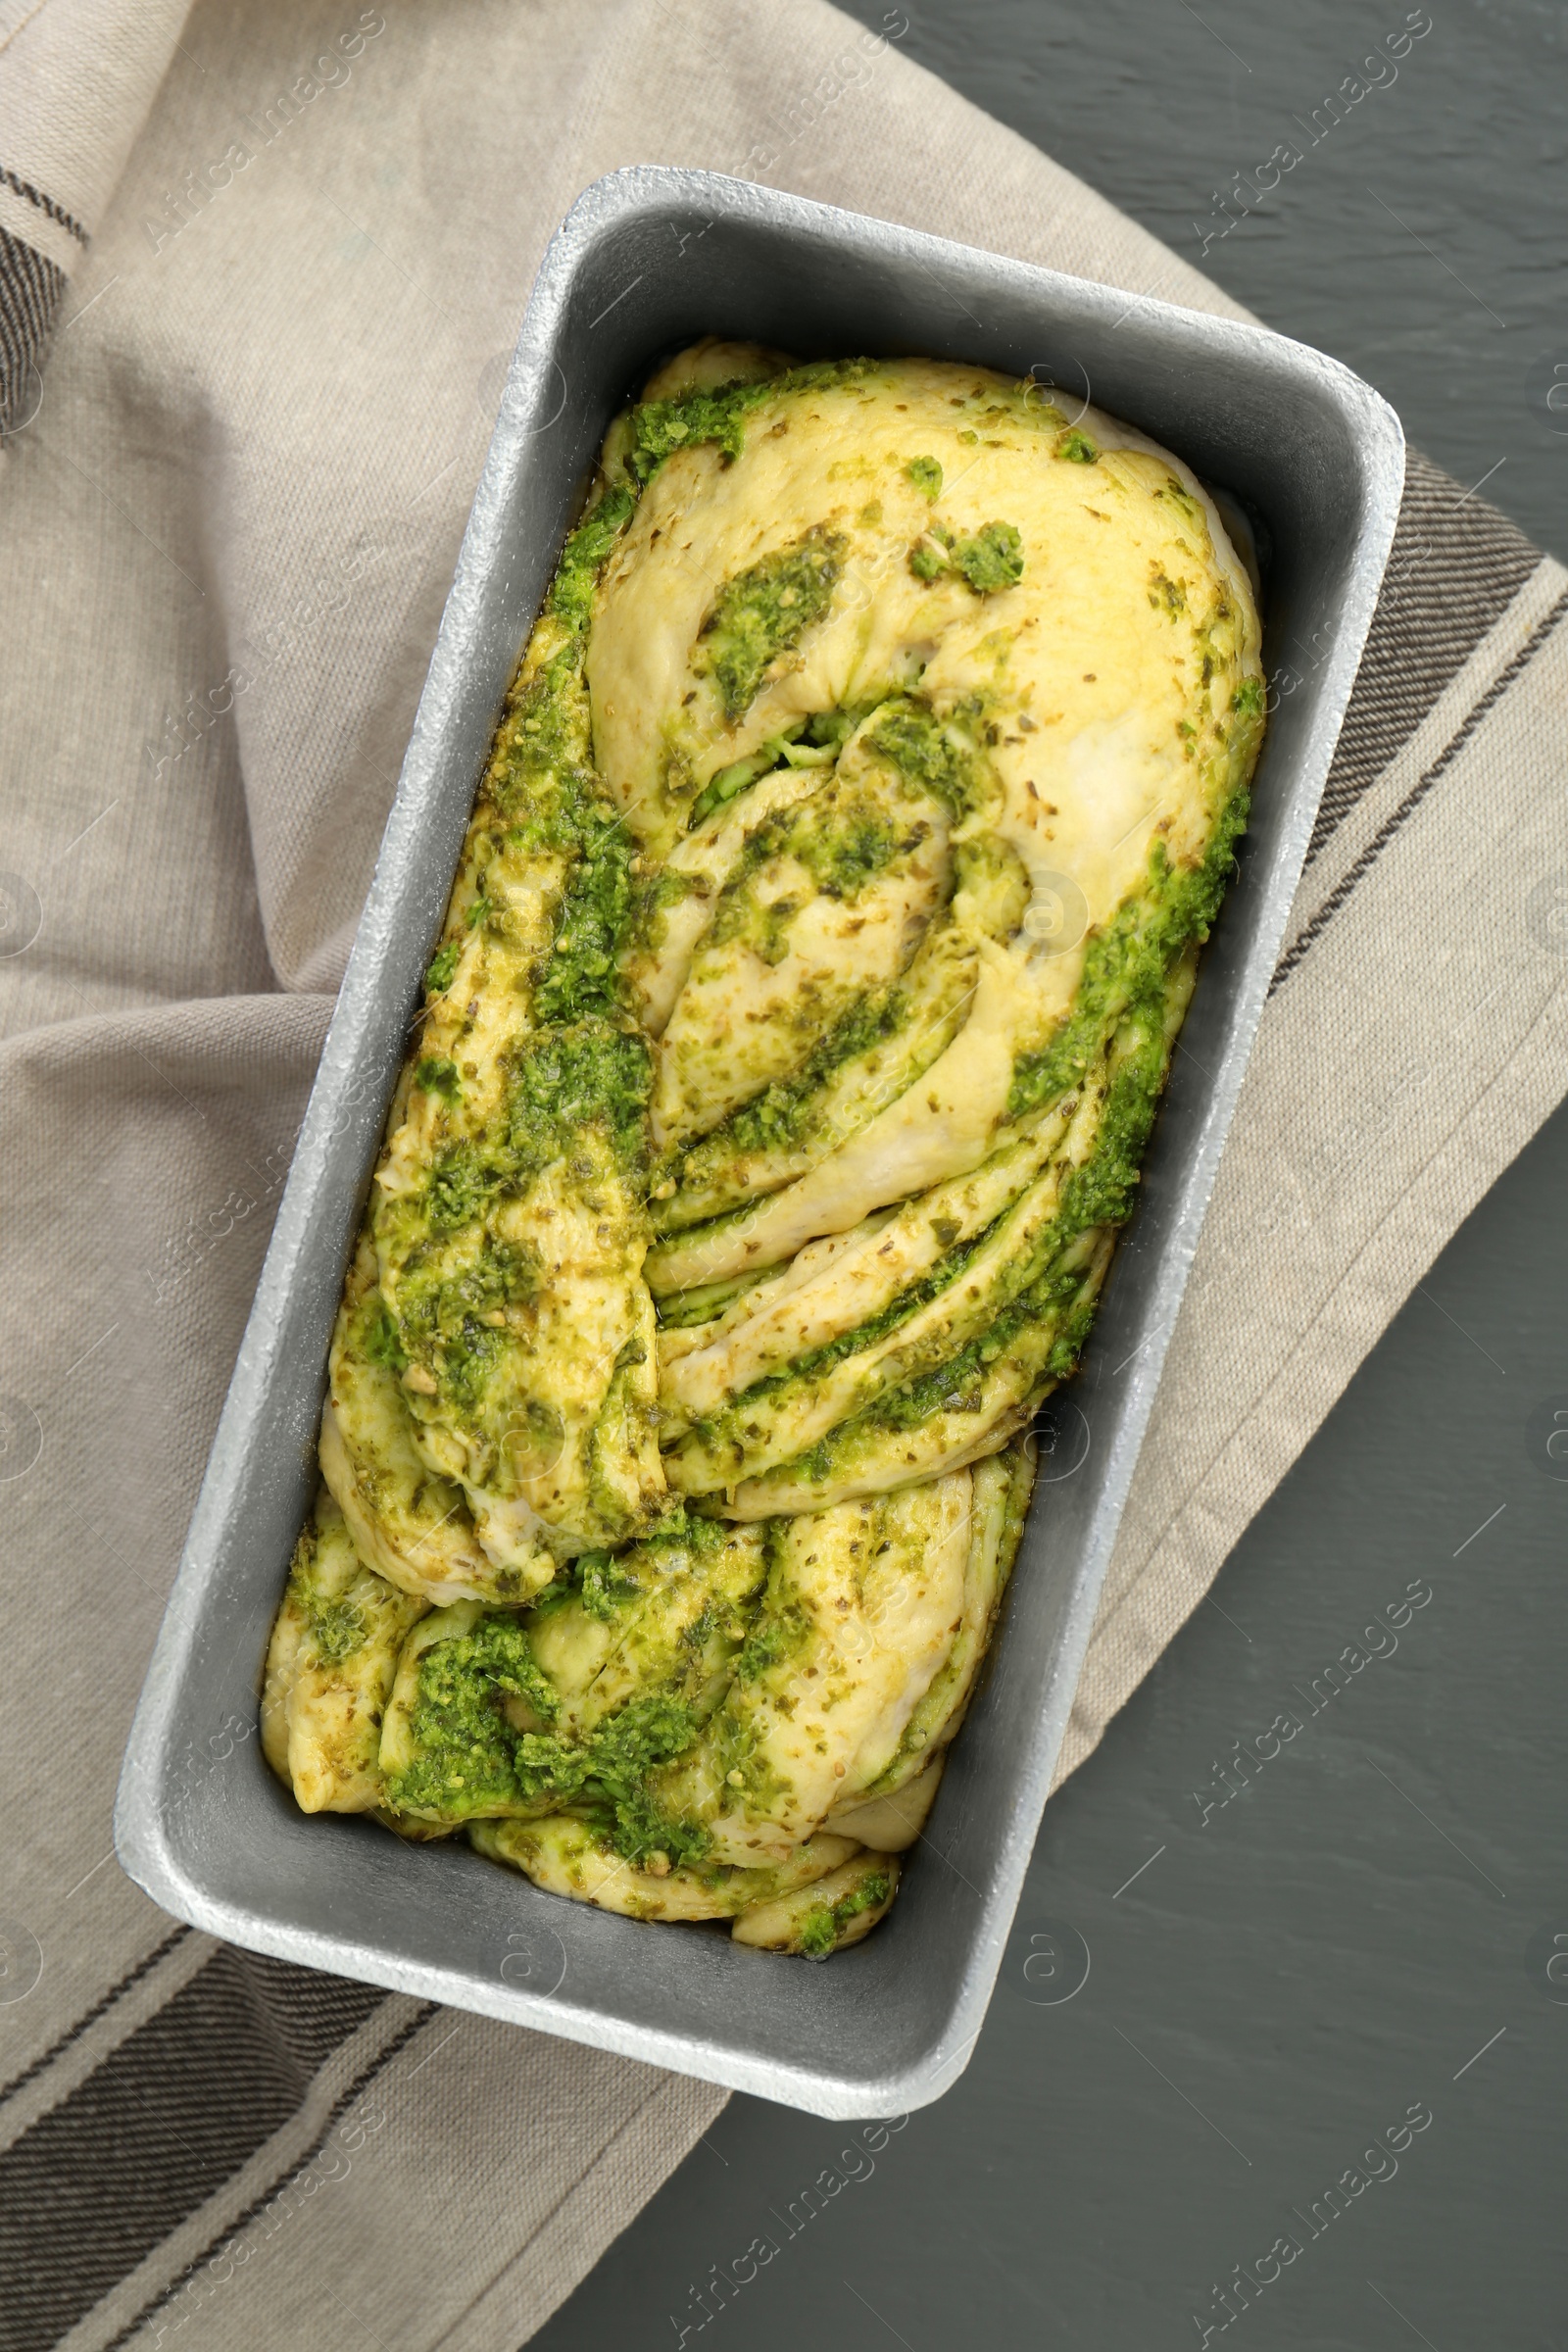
(1420,239)
(1327,1949)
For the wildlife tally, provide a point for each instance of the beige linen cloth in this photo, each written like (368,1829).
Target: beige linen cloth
(260,269)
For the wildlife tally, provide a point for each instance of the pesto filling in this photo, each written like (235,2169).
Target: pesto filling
(1127,961)
(472,1760)
(718,414)
(337,1626)
(825,1923)
(777,1119)
(1046,1321)
(931,752)
(762,613)
(989,561)
(466,1750)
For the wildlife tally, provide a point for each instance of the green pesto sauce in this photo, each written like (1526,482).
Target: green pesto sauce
(724,786)
(1183,500)
(822,1927)
(577,1095)
(581,977)
(1097,1195)
(563,1087)
(1131,956)
(777,1634)
(377,1336)
(992,558)
(929,751)
(705,1300)
(461,1188)
(820,1360)
(1078,449)
(764,611)
(833,728)
(826,730)
(603,1585)
(956,1385)
(470,1760)
(844,844)
(847,851)
(606,1580)
(571,595)
(467,1758)
(926,476)
(611,1770)
(1167,592)
(446,1314)
(776,1119)
(572,1080)
(337,1627)
(718,413)
(743,1763)
(438,1075)
(443,964)
(1051,1293)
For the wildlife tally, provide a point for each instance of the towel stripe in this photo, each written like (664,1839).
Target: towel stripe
(89,2017)
(185,2100)
(1455,566)
(45,204)
(1412,799)
(258,2203)
(31,291)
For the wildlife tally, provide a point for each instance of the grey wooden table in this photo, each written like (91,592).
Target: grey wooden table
(1364,1932)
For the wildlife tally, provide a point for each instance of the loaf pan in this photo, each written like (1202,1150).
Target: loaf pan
(648,260)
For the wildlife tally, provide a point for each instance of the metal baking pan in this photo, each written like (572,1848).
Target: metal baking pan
(647,260)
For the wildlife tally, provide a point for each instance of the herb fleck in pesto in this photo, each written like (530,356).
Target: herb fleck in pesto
(438,1075)
(1163,590)
(443,964)
(926,476)
(992,560)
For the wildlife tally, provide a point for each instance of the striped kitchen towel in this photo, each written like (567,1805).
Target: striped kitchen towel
(235,485)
